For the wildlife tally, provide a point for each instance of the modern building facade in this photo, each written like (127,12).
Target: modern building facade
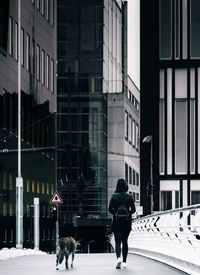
(123,140)
(170,101)
(92,72)
(38,105)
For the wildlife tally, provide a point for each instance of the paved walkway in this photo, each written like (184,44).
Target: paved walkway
(84,264)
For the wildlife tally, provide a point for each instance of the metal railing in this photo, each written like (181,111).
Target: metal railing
(172,237)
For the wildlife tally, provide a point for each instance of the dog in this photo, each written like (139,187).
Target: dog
(66,246)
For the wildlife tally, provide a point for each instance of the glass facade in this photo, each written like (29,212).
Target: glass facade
(113,46)
(165,29)
(176,35)
(179,103)
(195,28)
(88,59)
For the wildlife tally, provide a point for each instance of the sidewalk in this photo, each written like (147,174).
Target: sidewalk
(84,264)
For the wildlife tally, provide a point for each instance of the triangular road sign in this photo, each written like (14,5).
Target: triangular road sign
(56,199)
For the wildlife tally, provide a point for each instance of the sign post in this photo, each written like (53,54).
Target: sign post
(56,200)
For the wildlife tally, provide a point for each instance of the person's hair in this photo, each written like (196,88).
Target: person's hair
(122,186)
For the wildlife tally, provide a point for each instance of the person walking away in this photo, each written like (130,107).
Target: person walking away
(121,206)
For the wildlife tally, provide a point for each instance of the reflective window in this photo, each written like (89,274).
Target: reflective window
(162,136)
(43,67)
(130,175)
(38,187)
(133,134)
(177,199)
(195,197)
(165,29)
(38,4)
(47,70)
(52,12)
(130,129)
(47,10)
(195,28)
(133,177)
(162,85)
(27,52)
(126,172)
(38,62)
(16,41)
(184,29)
(43,6)
(10,182)
(33,57)
(11,209)
(10,40)
(137,137)
(192,136)
(126,125)
(33,186)
(169,121)
(137,179)
(5,205)
(52,76)
(180,136)
(166,200)
(180,83)
(28,185)
(177,29)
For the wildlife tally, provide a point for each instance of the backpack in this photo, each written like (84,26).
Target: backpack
(122,213)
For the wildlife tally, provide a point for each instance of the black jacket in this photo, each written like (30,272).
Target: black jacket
(115,201)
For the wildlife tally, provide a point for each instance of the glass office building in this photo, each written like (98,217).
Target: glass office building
(38,105)
(90,65)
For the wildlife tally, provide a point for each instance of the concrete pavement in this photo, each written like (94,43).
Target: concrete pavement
(84,264)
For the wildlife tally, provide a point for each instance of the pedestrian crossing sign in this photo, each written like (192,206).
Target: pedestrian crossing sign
(56,199)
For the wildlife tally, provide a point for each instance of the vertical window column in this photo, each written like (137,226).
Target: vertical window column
(169,121)
(192,121)
(33,57)
(52,77)
(184,29)
(47,71)
(28,52)
(162,125)
(198,127)
(165,29)
(126,172)
(195,29)
(177,29)
(43,67)
(137,137)
(47,10)
(126,125)
(38,62)
(130,125)
(16,41)
(22,47)
(181,121)
(10,35)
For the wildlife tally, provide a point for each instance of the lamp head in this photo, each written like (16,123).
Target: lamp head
(147,139)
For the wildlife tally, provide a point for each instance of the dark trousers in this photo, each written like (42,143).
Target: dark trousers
(121,237)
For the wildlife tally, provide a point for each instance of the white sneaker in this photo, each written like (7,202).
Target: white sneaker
(124,265)
(118,265)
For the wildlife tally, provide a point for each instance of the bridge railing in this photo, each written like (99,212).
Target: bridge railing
(172,237)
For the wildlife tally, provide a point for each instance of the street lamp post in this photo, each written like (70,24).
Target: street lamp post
(19,179)
(149,139)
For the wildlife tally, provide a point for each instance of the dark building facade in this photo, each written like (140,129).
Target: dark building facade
(38,105)
(91,63)
(170,101)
